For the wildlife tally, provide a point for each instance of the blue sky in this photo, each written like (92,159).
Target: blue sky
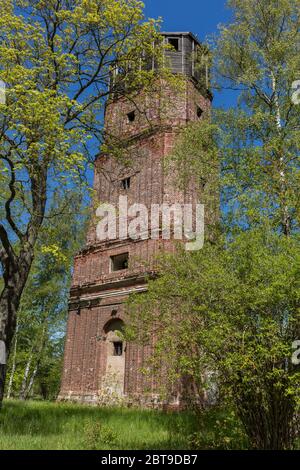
(201,17)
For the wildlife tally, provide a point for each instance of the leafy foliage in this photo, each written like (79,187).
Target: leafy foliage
(36,363)
(232,310)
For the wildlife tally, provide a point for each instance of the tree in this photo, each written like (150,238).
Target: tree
(258,57)
(42,316)
(57,58)
(258,140)
(38,341)
(233,309)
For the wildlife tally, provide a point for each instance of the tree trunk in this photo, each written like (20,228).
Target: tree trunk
(31,381)
(15,277)
(9,303)
(38,360)
(2,381)
(285,218)
(16,267)
(268,419)
(22,394)
(13,367)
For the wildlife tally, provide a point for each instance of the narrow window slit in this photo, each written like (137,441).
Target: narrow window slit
(199,112)
(118,348)
(131,116)
(126,183)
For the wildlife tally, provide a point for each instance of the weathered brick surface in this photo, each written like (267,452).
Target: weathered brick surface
(97,295)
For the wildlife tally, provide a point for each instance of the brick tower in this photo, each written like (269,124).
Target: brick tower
(96,360)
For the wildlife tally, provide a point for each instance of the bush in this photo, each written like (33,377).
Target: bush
(219,430)
(98,434)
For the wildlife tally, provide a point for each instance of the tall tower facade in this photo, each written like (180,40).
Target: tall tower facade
(97,362)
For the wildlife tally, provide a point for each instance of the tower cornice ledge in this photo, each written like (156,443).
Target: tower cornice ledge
(94,290)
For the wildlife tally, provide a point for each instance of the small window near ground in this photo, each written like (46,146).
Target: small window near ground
(118,348)
(125,183)
(131,116)
(174,42)
(119,262)
(199,112)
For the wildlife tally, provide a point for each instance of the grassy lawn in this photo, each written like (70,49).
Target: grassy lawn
(44,425)
(41,425)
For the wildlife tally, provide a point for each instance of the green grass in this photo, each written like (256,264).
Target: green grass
(44,425)
(49,426)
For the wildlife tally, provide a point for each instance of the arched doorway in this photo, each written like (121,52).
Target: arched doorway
(115,357)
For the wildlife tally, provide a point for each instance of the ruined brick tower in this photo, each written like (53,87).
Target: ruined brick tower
(96,360)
